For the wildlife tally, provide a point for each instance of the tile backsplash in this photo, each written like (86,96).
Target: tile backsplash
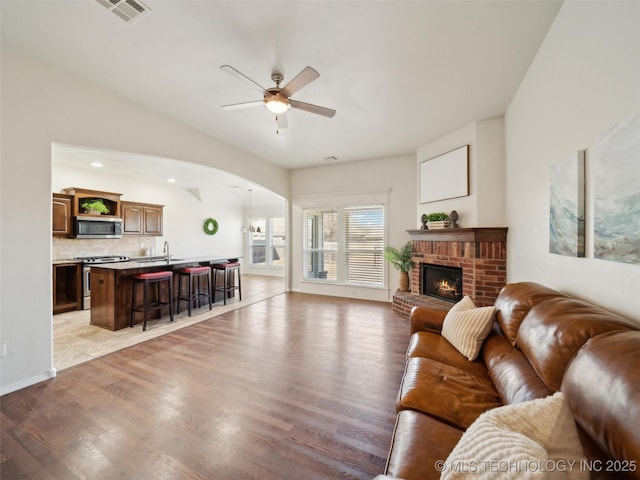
(133,246)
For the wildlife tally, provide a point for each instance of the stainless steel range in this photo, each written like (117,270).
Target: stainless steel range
(86,273)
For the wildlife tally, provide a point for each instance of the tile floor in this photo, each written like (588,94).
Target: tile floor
(76,341)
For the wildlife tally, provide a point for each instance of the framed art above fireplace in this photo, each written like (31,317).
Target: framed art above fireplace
(445,176)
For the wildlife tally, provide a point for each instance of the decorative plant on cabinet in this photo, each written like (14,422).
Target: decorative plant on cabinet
(95,206)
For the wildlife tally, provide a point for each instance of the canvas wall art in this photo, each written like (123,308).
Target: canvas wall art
(615,160)
(566,207)
(445,176)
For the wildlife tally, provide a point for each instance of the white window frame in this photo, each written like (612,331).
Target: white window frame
(268,245)
(341,250)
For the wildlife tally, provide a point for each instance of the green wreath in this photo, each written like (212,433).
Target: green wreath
(210,226)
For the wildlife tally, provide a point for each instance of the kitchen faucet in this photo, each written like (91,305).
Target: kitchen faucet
(167,256)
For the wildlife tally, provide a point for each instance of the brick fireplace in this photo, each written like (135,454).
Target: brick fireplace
(481,253)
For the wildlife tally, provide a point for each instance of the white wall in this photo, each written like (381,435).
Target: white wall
(489,173)
(484,206)
(41,106)
(343,184)
(584,80)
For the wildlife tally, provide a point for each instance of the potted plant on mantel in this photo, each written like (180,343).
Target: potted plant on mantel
(400,258)
(436,221)
(94,206)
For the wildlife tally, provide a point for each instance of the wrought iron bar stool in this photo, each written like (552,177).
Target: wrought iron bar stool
(229,285)
(147,279)
(194,288)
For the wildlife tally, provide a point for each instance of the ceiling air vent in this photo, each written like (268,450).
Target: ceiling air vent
(127,10)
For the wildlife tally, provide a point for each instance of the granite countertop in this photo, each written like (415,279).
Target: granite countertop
(143,262)
(71,260)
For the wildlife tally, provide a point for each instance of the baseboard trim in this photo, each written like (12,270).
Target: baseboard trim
(27,382)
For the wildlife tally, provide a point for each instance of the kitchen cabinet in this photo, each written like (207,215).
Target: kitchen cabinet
(62,216)
(67,287)
(141,218)
(80,195)
(153,220)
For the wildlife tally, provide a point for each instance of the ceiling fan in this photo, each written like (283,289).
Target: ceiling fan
(278,99)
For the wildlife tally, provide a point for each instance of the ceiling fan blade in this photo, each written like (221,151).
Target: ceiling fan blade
(238,106)
(241,76)
(304,78)
(307,107)
(282,121)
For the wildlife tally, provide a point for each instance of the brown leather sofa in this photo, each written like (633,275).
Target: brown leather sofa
(542,341)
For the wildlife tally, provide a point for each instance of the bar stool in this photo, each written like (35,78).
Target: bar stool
(228,270)
(191,273)
(147,279)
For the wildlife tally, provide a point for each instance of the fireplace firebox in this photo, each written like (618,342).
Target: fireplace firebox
(442,282)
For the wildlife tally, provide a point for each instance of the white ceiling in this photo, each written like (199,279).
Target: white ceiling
(200,180)
(399,73)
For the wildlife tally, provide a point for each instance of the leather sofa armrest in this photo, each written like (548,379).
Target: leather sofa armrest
(423,318)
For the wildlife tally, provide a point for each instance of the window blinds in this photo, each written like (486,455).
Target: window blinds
(364,245)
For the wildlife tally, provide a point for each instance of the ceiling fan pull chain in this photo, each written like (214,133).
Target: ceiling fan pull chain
(277,130)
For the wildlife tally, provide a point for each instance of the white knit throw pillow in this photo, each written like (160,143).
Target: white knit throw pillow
(535,439)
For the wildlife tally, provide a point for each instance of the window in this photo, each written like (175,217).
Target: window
(257,243)
(364,245)
(345,245)
(267,241)
(277,239)
(320,244)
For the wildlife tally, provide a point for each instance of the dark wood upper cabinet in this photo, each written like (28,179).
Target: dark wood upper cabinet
(80,195)
(62,215)
(132,218)
(137,218)
(153,220)
(141,218)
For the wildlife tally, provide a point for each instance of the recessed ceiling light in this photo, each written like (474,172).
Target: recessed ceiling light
(96,164)
(171,180)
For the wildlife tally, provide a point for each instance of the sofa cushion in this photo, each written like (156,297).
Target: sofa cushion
(452,394)
(434,346)
(521,436)
(423,318)
(414,453)
(554,330)
(466,330)
(513,376)
(514,302)
(602,384)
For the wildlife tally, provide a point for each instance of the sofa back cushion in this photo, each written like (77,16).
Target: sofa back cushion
(555,329)
(602,384)
(514,303)
(513,376)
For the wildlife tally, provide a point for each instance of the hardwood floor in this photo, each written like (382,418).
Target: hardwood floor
(296,386)
(76,341)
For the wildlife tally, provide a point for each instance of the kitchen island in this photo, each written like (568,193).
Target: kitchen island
(111,286)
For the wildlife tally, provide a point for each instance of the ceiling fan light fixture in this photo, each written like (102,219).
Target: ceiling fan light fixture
(277,104)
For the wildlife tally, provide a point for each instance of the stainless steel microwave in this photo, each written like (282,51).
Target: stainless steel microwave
(97,227)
